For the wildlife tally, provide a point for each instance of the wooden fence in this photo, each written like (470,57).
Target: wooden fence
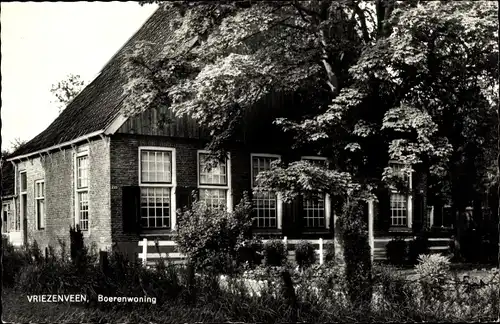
(167,250)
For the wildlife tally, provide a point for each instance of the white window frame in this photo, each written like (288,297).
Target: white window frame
(172,185)
(279,200)
(430,216)
(328,203)
(409,199)
(38,198)
(82,151)
(227,187)
(6,208)
(23,196)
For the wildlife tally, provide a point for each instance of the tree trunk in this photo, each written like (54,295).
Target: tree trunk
(478,210)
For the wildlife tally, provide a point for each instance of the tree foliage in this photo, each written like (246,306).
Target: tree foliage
(409,81)
(66,90)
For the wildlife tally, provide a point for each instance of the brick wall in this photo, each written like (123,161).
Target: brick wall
(125,171)
(58,173)
(99,194)
(124,157)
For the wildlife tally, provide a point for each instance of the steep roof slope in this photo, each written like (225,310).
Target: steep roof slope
(100,102)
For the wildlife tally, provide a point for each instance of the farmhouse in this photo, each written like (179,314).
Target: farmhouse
(121,178)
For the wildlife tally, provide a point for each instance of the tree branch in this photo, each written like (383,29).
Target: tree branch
(303,10)
(362,20)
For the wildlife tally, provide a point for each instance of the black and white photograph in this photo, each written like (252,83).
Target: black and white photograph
(250,161)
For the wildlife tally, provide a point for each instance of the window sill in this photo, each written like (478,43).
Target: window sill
(156,231)
(402,229)
(267,231)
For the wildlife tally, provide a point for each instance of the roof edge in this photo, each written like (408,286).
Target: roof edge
(58,146)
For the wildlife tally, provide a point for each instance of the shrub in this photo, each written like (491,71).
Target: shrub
(78,250)
(275,253)
(64,249)
(419,245)
(210,238)
(251,252)
(305,254)
(395,288)
(13,261)
(34,253)
(329,249)
(357,254)
(396,250)
(432,271)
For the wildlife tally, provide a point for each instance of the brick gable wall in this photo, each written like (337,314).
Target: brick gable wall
(58,173)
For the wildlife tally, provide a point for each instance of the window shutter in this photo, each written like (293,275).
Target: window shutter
(131,209)
(419,214)
(384,211)
(298,215)
(185,196)
(291,221)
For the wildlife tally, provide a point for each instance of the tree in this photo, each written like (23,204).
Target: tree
(15,144)
(66,90)
(383,80)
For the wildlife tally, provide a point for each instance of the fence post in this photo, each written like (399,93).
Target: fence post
(371,238)
(144,251)
(285,243)
(321,258)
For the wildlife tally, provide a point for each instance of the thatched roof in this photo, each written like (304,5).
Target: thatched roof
(99,104)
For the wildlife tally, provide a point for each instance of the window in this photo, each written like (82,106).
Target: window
(40,203)
(265,204)
(399,209)
(213,182)
(82,191)
(429,220)
(23,182)
(23,185)
(6,217)
(156,174)
(156,166)
(155,207)
(400,204)
(313,209)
